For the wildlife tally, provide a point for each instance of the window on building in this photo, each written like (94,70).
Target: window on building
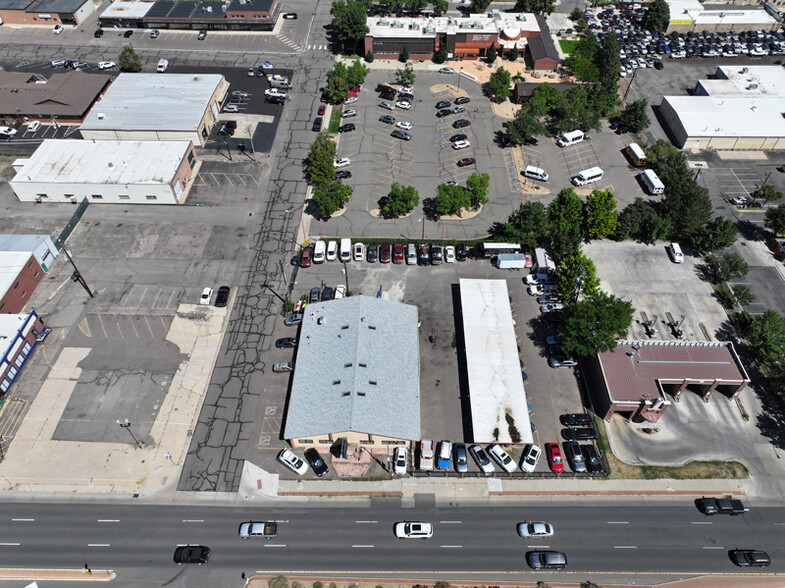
(151,197)
(24,294)
(35,275)
(2,306)
(96,196)
(191,159)
(366,442)
(16,285)
(12,371)
(29,265)
(20,359)
(124,197)
(5,386)
(26,348)
(305,442)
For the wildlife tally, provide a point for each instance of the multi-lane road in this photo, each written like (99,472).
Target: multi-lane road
(630,543)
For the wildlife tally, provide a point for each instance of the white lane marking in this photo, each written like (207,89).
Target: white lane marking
(108,520)
(274,545)
(625,547)
(23,520)
(10,544)
(538,546)
(451,546)
(366,522)
(779,524)
(363,546)
(98,544)
(701,523)
(451,522)
(193,520)
(705,547)
(617,522)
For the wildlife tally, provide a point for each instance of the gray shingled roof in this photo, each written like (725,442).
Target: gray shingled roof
(357,371)
(542,45)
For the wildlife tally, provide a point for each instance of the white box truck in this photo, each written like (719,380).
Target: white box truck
(511,261)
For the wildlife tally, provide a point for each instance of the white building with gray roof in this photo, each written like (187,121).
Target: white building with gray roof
(357,375)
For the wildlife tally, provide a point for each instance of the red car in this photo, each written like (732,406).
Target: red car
(356,89)
(554,457)
(352,93)
(321,109)
(466,161)
(384,253)
(398,253)
(306,257)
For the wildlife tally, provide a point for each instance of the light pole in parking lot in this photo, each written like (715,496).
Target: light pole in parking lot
(127,426)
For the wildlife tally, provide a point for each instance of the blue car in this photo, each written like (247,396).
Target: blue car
(444,455)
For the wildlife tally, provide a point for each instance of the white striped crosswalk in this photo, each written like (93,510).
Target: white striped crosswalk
(319,47)
(289,43)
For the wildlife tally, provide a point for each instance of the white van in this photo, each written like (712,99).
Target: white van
(535,173)
(332,250)
(588,176)
(570,138)
(652,182)
(346,250)
(163,64)
(411,254)
(675,252)
(319,252)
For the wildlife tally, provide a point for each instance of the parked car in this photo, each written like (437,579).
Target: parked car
(461,145)
(290,15)
(449,254)
(498,453)
(402,124)
(443,104)
(580,433)
(551,307)
(222,297)
(349,113)
(207,294)
(466,161)
(483,462)
(423,254)
(201,36)
(154,33)
(293,319)
(106,64)
(413,530)
(530,458)
(460,252)
(447,70)
(436,254)
(286,342)
(574,456)
(128,33)
(462,100)
(191,554)
(426,455)
(327,293)
(359,251)
(314,295)
(342,162)
(532,530)
(461,123)
(291,461)
(444,455)
(57,29)
(387,119)
(340,292)
(399,461)
(573,419)
(343,174)
(346,128)
(306,256)
(555,460)
(398,134)
(443,112)
(373,253)
(459,456)
(385,253)
(592,459)
(557,361)
(98,33)
(397,253)
(283,366)
(317,463)
(547,298)
(386,105)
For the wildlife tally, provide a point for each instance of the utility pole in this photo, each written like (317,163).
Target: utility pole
(250,136)
(77,275)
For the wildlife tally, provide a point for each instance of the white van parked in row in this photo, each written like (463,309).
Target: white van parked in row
(319,251)
(346,250)
(570,138)
(588,176)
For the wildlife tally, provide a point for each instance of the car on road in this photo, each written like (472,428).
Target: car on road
(317,463)
(402,124)
(191,554)
(447,70)
(444,455)
(572,419)
(106,64)
(283,366)
(290,15)
(443,104)
(399,461)
(291,461)
(574,455)
(458,137)
(359,251)
(387,119)
(592,459)
(286,342)
(461,145)
(342,162)
(222,297)
(555,460)
(386,105)
(552,307)
(201,36)
(750,558)
(557,361)
(530,458)
(578,433)
(343,174)
(532,530)
(321,110)
(127,34)
(546,560)
(442,113)
(398,134)
(253,529)
(449,254)
(207,294)
(347,128)
(403,104)
(459,458)
(413,530)
(293,319)
(503,458)
(461,123)
(481,458)
(385,253)
(466,161)
(711,506)
(349,113)
(462,100)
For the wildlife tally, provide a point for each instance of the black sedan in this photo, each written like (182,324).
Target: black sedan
(346,128)
(342,174)
(462,100)
(443,113)
(223,296)
(575,419)
(593,463)
(458,137)
(191,554)
(317,463)
(286,342)
(373,253)
(128,33)
(750,558)
(578,434)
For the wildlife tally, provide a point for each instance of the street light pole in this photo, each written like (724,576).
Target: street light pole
(127,426)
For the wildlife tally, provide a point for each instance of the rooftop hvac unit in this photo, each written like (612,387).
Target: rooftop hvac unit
(397,24)
(430,29)
(521,17)
(477,24)
(383,22)
(495,13)
(413,26)
(452,21)
(752,87)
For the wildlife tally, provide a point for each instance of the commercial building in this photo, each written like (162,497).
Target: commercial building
(740,109)
(356,376)
(157,107)
(692,15)
(499,411)
(65,97)
(45,12)
(112,172)
(463,38)
(236,15)
(19,336)
(40,247)
(640,379)
(20,273)
(541,52)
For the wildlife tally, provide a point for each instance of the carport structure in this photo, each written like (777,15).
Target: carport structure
(637,377)
(499,410)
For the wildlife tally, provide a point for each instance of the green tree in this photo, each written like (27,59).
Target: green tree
(369,57)
(767,193)
(279,582)
(349,22)
(491,55)
(320,169)
(500,84)
(524,126)
(775,219)
(594,324)
(356,73)
(440,55)
(400,200)
(535,6)
(329,198)
(581,59)
(728,267)
(479,6)
(576,14)
(545,99)
(565,211)
(338,83)
(404,56)
(607,60)
(635,115)
(658,16)
(451,200)
(744,296)
(688,209)
(415,6)
(577,277)
(440,7)
(766,335)
(405,75)
(718,233)
(129,60)
(600,216)
(477,186)
(528,226)
(578,111)
(513,54)
(392,6)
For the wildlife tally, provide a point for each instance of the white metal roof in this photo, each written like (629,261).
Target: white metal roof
(11,263)
(10,324)
(127,9)
(154,102)
(747,80)
(718,116)
(476,24)
(74,161)
(498,401)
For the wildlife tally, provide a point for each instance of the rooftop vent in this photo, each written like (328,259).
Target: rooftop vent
(101,116)
(383,22)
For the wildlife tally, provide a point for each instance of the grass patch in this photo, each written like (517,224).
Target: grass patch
(567,45)
(335,119)
(693,470)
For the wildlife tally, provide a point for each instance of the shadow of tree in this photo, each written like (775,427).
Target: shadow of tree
(429,209)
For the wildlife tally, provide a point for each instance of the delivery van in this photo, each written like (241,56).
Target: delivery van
(588,176)
(535,173)
(570,138)
(346,250)
(163,64)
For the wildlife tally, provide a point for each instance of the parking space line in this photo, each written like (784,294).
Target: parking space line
(149,328)
(101,322)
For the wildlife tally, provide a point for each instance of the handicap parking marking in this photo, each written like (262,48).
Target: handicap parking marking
(270,410)
(265,440)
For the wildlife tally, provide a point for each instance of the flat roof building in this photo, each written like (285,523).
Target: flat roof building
(237,15)
(692,15)
(356,376)
(19,276)
(112,172)
(638,379)
(40,247)
(500,413)
(45,12)
(157,107)
(19,336)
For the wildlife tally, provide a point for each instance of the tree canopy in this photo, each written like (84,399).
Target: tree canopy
(600,215)
(718,233)
(658,16)
(400,200)
(349,22)
(775,219)
(594,324)
(477,186)
(330,197)
(566,211)
(607,60)
(129,60)
(528,226)
(577,277)
(535,6)
(500,84)
(320,168)
(451,199)
(405,75)
(635,115)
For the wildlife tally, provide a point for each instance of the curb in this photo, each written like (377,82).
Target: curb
(57,574)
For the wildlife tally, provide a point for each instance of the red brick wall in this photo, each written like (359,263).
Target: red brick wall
(19,293)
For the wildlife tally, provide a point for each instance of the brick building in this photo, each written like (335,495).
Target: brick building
(19,275)
(19,336)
